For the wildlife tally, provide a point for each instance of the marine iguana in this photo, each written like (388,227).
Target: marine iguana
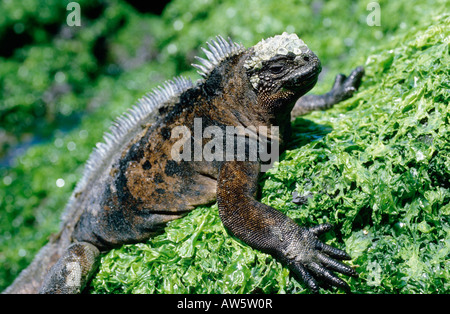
(131,184)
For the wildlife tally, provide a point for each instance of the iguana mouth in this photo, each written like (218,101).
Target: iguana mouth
(304,82)
(306,76)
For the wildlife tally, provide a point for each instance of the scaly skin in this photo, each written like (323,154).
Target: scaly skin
(132,185)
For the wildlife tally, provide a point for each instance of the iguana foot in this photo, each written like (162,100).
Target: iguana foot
(344,87)
(314,261)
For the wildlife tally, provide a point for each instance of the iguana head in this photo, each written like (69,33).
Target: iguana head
(281,69)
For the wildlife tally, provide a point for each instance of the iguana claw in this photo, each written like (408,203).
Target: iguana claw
(314,261)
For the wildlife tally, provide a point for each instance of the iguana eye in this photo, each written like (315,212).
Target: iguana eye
(276,68)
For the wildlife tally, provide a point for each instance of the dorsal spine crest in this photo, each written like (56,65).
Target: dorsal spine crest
(219,50)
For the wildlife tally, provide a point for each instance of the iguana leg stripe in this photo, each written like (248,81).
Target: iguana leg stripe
(72,271)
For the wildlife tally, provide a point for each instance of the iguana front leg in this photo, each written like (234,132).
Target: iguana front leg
(72,271)
(266,229)
(343,88)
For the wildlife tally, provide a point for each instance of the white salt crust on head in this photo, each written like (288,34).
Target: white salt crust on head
(270,47)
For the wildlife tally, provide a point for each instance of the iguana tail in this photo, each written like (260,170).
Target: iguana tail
(31,278)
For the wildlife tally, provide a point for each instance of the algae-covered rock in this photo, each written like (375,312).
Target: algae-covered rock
(376,166)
